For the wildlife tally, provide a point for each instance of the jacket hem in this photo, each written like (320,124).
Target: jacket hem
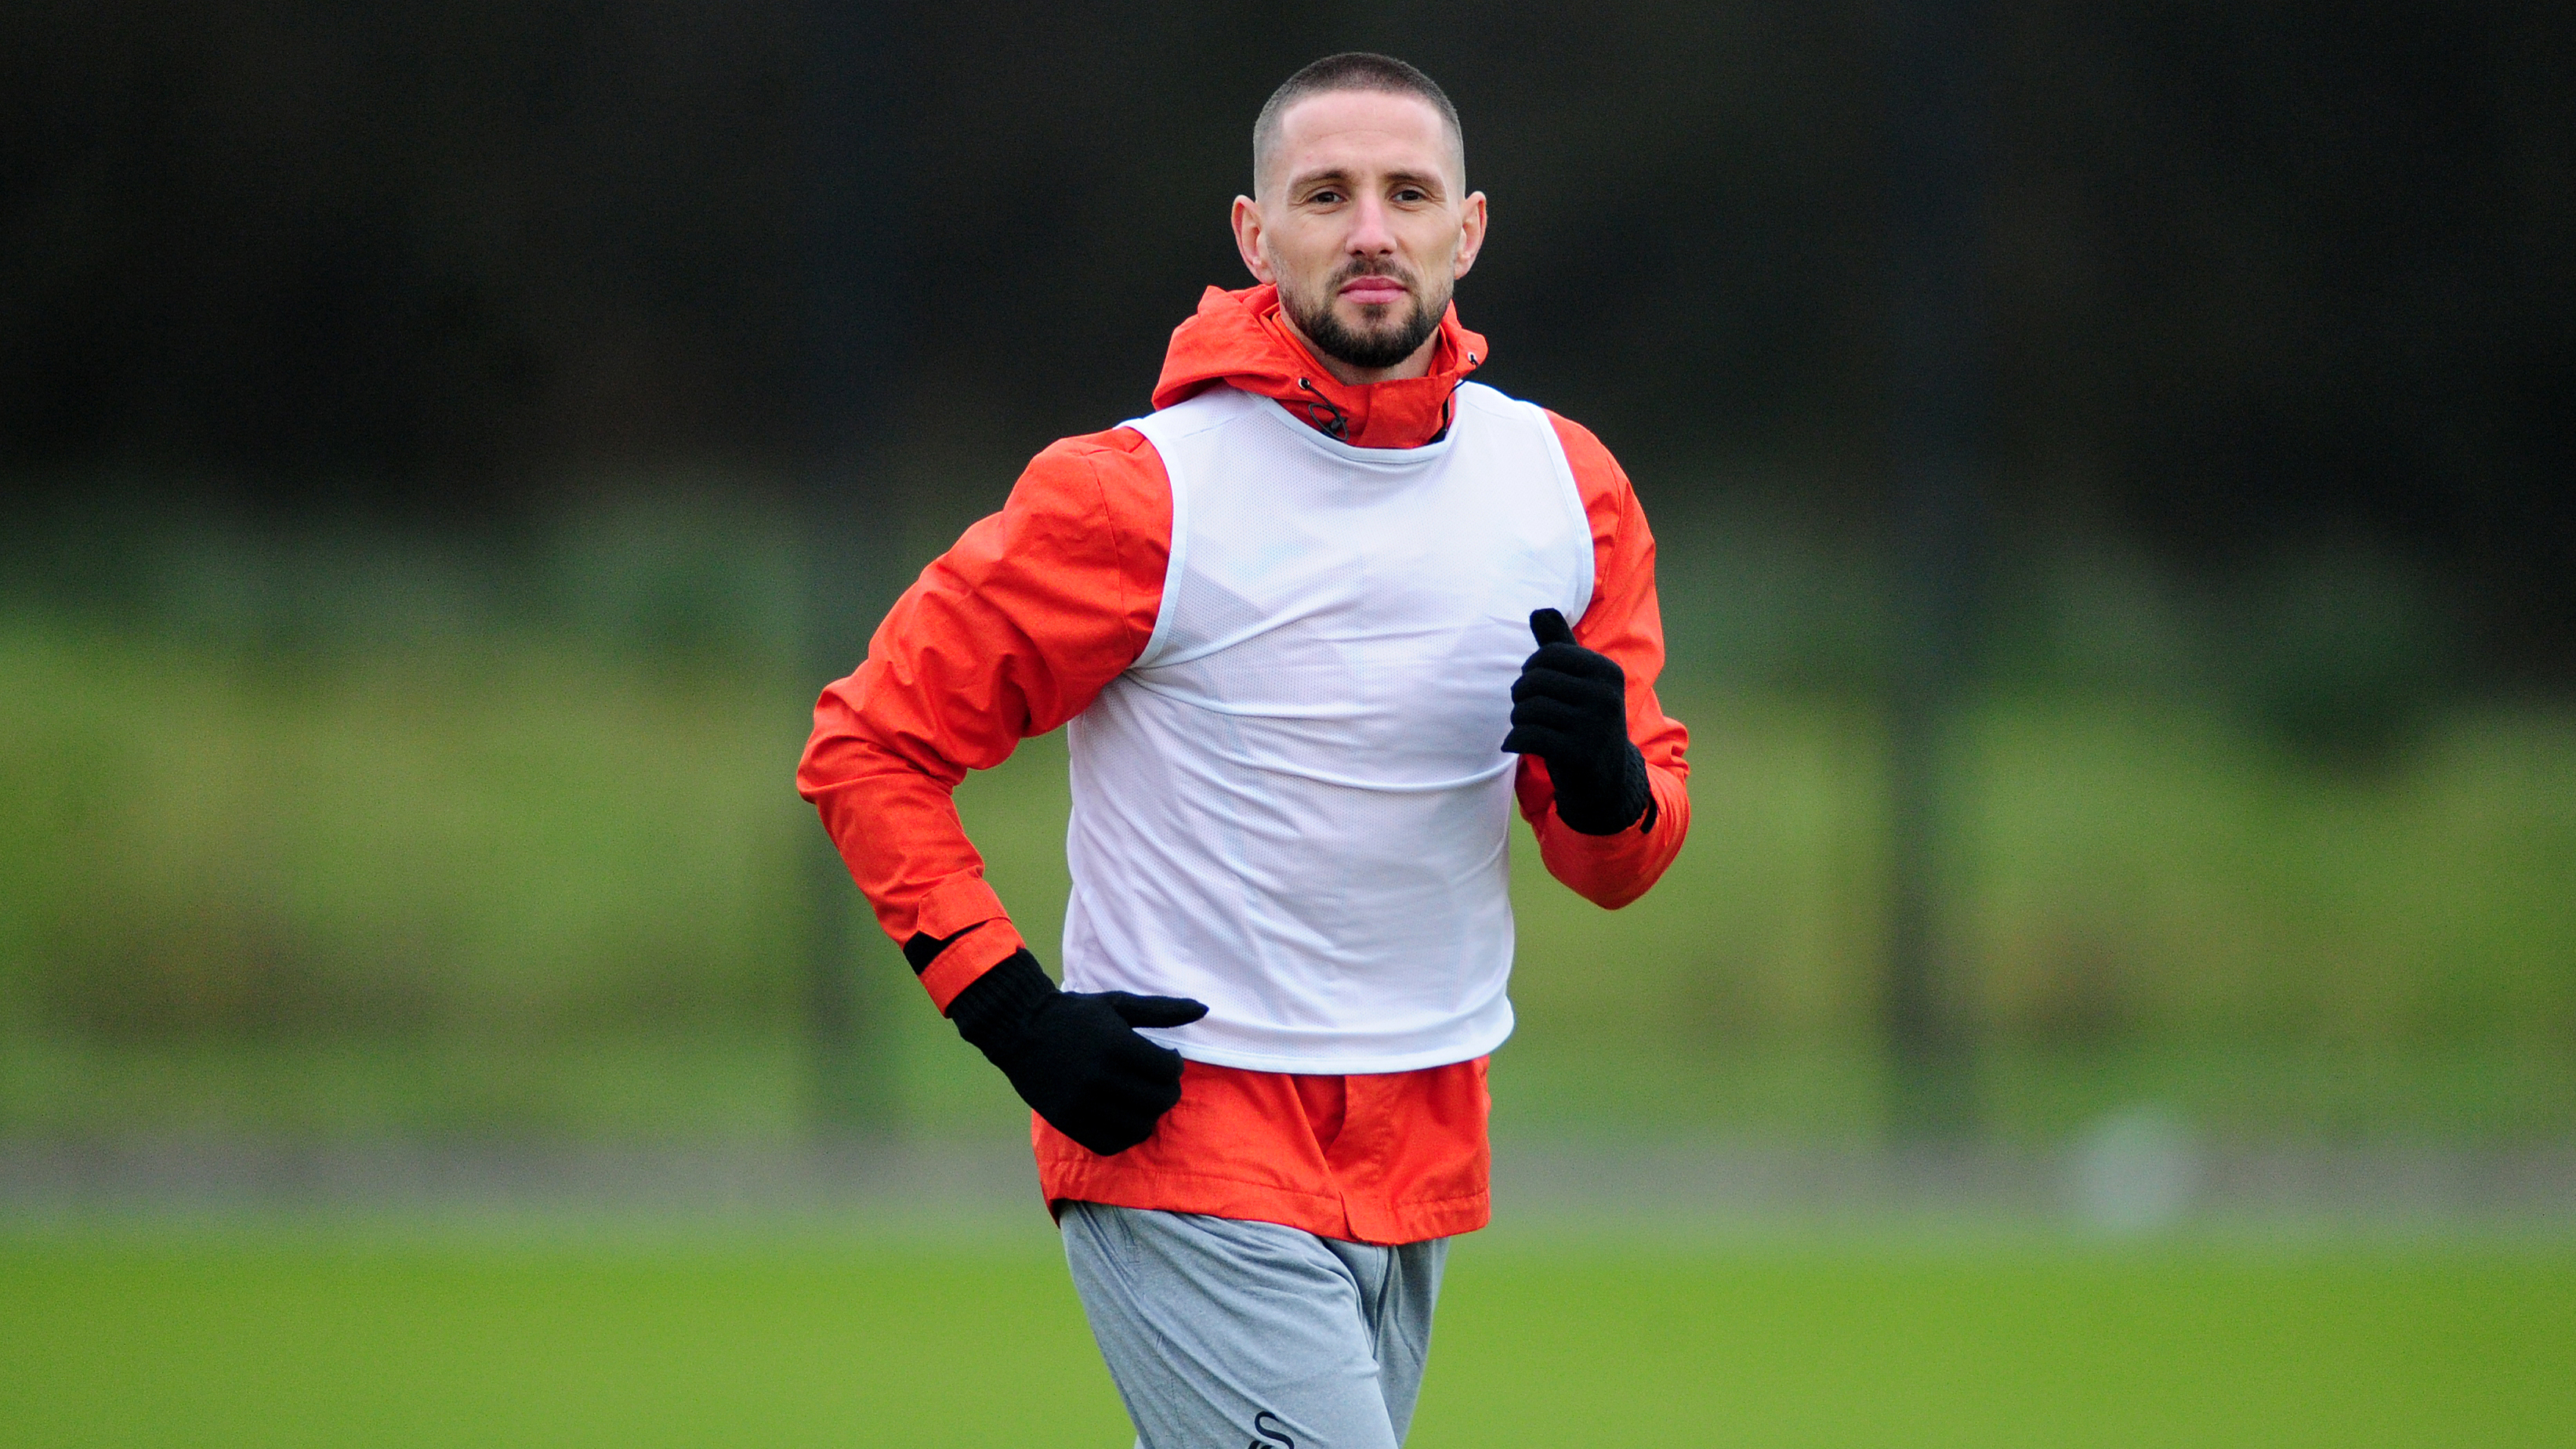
(1233,1198)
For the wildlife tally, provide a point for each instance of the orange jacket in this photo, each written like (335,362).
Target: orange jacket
(1017,627)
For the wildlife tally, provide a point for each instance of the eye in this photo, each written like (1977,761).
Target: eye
(1325,197)
(1412,193)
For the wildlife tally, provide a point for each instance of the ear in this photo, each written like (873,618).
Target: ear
(1247,239)
(1471,233)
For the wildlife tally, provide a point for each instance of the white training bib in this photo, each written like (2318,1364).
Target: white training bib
(1295,806)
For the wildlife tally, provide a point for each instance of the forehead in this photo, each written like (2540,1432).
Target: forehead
(1362,132)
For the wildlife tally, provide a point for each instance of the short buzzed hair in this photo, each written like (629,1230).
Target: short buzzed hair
(1352,70)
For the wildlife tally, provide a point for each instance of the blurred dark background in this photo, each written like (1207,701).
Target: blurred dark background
(2258,277)
(437,439)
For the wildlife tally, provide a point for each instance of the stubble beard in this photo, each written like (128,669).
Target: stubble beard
(1377,347)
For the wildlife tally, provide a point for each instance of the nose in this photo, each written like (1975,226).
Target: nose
(1370,235)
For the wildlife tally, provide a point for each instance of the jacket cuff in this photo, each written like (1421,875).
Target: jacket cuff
(1612,870)
(958,931)
(968,958)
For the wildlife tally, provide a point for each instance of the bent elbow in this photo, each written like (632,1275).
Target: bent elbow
(1618,897)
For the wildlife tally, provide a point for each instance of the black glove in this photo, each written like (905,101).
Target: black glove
(1075,1055)
(1570,708)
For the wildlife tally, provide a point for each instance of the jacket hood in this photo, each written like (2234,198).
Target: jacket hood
(1239,339)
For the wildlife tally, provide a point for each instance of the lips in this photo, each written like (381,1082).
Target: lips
(1374,291)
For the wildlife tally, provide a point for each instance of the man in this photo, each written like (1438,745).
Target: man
(1288,620)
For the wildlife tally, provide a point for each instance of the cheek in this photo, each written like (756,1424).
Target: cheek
(1299,261)
(1436,264)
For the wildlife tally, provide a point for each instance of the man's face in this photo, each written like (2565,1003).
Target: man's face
(1363,224)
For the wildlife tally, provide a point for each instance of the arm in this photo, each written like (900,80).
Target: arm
(1623,624)
(1009,634)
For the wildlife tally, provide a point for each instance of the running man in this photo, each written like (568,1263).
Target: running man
(1288,620)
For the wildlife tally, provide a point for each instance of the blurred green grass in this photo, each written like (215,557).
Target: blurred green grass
(508,875)
(294,1337)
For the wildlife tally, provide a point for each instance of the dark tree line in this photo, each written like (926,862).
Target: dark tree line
(2256,274)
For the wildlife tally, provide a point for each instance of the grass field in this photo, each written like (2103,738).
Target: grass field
(285,1337)
(512,882)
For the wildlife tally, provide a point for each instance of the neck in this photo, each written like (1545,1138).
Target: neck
(1418,364)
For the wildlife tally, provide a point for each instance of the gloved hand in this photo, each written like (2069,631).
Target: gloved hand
(1570,708)
(1075,1055)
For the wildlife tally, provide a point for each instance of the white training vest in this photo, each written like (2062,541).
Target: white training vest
(1294,806)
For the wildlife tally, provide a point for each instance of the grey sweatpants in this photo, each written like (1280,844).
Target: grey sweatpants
(1237,1335)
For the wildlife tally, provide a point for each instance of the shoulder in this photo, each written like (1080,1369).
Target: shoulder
(1121,447)
(1594,468)
(1095,499)
(1609,500)
(1113,474)
(1207,410)
(1130,455)
(1598,479)
(1502,407)
(1604,483)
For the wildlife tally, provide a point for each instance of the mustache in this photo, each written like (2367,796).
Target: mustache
(1349,272)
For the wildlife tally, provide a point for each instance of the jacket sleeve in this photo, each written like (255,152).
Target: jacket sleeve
(1007,635)
(1623,622)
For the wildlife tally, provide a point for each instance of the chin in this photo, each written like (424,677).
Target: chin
(1385,320)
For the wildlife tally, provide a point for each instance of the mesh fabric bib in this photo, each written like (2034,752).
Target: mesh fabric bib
(1294,805)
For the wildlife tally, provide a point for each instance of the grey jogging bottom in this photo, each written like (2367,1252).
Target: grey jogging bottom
(1240,1335)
